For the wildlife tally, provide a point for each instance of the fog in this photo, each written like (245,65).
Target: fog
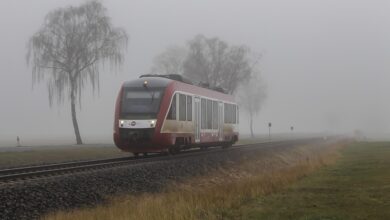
(325,63)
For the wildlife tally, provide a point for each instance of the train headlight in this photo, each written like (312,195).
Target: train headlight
(153,123)
(121,123)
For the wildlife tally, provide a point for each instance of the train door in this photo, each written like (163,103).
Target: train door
(220,121)
(197,119)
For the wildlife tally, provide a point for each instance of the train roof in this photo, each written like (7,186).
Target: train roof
(155,80)
(176,77)
(151,81)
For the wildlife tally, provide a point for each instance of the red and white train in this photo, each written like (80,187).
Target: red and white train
(160,113)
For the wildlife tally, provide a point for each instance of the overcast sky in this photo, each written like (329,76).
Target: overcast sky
(326,63)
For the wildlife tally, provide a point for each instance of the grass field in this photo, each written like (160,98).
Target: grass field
(357,187)
(229,193)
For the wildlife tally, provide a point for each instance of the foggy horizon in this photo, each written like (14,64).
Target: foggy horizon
(325,64)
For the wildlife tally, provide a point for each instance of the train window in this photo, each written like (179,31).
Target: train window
(234,115)
(189,108)
(140,103)
(238,115)
(215,115)
(172,109)
(226,112)
(209,114)
(143,95)
(203,113)
(182,107)
(231,113)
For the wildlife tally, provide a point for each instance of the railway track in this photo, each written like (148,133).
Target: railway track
(36,172)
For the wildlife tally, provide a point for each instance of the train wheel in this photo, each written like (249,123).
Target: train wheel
(227,145)
(174,150)
(145,154)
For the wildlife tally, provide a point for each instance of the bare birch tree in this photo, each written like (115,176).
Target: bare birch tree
(170,61)
(70,48)
(207,60)
(213,61)
(251,96)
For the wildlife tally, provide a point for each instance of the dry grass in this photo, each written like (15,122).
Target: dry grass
(218,194)
(356,187)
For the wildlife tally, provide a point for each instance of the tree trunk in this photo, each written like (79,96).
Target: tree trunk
(251,123)
(74,118)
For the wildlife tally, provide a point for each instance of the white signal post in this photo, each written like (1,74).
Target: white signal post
(269,130)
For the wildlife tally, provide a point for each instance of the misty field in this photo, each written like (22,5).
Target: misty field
(221,194)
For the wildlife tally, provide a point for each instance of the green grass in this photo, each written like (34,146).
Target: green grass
(356,187)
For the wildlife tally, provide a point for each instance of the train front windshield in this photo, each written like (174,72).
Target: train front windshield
(138,104)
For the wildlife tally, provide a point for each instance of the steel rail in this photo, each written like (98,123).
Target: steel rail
(34,172)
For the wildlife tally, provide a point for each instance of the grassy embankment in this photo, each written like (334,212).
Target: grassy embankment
(357,187)
(223,194)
